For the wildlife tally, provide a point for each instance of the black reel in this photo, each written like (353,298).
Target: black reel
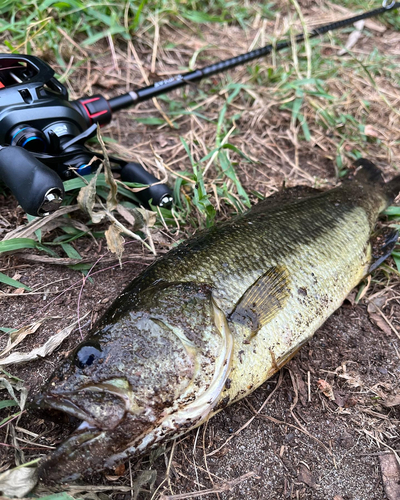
(43,135)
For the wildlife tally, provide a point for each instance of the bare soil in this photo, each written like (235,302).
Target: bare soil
(306,442)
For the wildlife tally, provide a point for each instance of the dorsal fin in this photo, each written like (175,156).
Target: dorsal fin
(286,195)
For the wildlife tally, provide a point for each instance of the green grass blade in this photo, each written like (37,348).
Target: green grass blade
(7,330)
(70,251)
(16,244)
(10,417)
(11,282)
(392,211)
(56,496)
(136,20)
(396,258)
(103,34)
(7,403)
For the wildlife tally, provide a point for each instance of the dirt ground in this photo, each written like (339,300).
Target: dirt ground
(327,425)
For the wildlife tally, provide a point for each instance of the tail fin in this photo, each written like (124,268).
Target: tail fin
(392,188)
(370,173)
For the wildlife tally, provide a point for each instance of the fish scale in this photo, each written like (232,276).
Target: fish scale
(267,238)
(209,322)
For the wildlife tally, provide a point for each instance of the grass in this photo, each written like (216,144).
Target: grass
(234,138)
(32,26)
(314,106)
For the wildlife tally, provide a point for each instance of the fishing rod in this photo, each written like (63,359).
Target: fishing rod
(43,134)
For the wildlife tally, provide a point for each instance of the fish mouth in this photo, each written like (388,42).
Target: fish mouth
(102,406)
(103,410)
(59,466)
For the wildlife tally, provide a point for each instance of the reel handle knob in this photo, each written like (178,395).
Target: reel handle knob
(160,194)
(38,189)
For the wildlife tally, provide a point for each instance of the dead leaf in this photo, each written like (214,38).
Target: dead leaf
(126,214)
(9,384)
(353,37)
(18,482)
(126,231)
(393,400)
(352,378)
(390,469)
(109,178)
(87,199)
(107,82)
(380,323)
(29,229)
(40,352)
(18,336)
(115,241)
(298,382)
(326,389)
(148,217)
(339,399)
(306,477)
(370,131)
(376,303)
(162,141)
(374,26)
(112,478)
(120,469)
(350,401)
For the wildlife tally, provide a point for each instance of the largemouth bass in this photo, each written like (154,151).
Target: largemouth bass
(214,318)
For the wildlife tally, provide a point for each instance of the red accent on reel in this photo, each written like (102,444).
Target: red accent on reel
(96,114)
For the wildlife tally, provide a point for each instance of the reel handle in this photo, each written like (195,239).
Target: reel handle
(38,189)
(160,194)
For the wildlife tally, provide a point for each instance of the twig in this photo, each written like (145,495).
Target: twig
(304,431)
(72,42)
(251,419)
(155,102)
(217,489)
(167,473)
(306,38)
(371,435)
(387,321)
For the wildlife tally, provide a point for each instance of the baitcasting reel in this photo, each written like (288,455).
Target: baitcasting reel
(43,135)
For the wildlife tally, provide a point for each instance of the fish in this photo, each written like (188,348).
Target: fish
(210,321)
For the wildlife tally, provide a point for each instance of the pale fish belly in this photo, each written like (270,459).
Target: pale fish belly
(321,275)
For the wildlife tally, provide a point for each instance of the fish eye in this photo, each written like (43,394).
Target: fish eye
(87,354)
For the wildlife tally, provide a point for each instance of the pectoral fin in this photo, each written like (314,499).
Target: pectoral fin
(263,300)
(382,244)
